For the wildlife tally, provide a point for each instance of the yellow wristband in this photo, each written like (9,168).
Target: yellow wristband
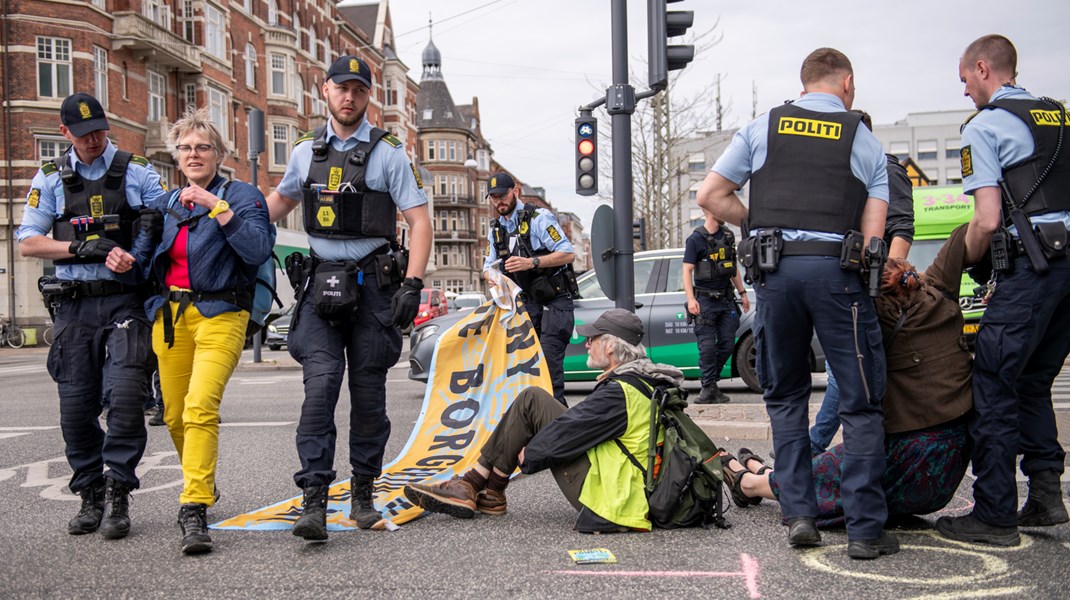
(220,207)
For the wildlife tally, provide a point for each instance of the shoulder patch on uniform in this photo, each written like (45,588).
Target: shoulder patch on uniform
(33,198)
(307,136)
(390,139)
(48,167)
(163,186)
(554,234)
(416,174)
(139,160)
(966,161)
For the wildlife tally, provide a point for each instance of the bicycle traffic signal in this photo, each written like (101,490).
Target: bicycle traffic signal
(586,155)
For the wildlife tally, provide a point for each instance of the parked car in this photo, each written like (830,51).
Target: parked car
(659,299)
(469,301)
(278,328)
(432,304)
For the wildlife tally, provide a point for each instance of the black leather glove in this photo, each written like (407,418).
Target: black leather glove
(151,221)
(92,249)
(406,301)
(982,271)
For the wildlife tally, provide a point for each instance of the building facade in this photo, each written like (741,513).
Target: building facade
(931,140)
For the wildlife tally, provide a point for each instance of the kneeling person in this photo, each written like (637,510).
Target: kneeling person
(579,444)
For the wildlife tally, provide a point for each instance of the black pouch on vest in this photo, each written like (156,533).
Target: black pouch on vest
(336,289)
(387,269)
(542,289)
(851,251)
(1052,238)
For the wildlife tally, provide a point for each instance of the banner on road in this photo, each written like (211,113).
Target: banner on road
(480,365)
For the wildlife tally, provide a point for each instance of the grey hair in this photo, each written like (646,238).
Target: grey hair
(196,121)
(622,350)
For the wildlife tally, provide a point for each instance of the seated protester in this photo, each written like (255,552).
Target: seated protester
(925,404)
(579,444)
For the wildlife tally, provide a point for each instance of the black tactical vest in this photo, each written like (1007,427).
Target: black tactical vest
(503,247)
(806,181)
(102,199)
(1045,121)
(345,208)
(717,266)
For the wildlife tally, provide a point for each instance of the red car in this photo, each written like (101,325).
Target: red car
(432,304)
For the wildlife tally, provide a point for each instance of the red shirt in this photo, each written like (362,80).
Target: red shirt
(178,272)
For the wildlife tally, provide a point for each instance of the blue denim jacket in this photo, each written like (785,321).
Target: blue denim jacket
(221,258)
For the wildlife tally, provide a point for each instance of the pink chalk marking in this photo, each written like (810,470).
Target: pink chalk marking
(749,574)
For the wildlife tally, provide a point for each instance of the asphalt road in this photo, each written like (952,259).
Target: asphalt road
(522,554)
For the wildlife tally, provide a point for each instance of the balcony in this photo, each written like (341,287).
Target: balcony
(460,235)
(156,137)
(444,199)
(148,35)
(278,35)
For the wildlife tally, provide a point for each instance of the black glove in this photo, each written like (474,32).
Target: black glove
(151,221)
(981,272)
(406,301)
(98,248)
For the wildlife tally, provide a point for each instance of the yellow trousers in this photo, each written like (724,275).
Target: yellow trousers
(193,375)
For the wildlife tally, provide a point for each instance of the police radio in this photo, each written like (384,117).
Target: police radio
(1001,251)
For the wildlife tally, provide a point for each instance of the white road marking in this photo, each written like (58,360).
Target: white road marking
(260,424)
(33,428)
(4,436)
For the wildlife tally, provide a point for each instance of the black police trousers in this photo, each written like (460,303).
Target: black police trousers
(716,332)
(101,349)
(369,344)
(553,322)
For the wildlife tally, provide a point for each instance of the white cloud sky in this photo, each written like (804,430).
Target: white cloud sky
(532,62)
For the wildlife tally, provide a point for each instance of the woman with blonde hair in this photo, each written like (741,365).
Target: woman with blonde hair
(215,235)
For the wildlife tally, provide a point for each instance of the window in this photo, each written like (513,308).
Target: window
(50,147)
(215,32)
(217,111)
(483,158)
(278,74)
(453,150)
(927,150)
(126,96)
(934,175)
(391,95)
(428,113)
(248,6)
(100,75)
(190,95)
(312,43)
(453,220)
(483,192)
(430,150)
(273,13)
(443,216)
(54,67)
(697,162)
(327,58)
(319,107)
(166,173)
(99,4)
(250,66)
(692,195)
(157,96)
(900,150)
(482,227)
(295,82)
(454,188)
(952,148)
(297,28)
(280,144)
(442,183)
(442,150)
(158,12)
(187,21)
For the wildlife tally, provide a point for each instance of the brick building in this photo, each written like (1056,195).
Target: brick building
(149,60)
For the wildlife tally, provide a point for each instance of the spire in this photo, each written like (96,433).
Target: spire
(432,58)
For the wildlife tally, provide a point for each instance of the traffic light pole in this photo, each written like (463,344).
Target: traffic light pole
(620,104)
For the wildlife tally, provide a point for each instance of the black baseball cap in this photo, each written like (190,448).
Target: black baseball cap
(349,68)
(616,321)
(500,183)
(83,114)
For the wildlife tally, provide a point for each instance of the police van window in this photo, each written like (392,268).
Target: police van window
(589,287)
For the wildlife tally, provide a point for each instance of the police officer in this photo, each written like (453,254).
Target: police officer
(711,278)
(1021,141)
(91,199)
(538,257)
(356,291)
(803,224)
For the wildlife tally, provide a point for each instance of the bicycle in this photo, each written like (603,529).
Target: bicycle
(49,335)
(11,334)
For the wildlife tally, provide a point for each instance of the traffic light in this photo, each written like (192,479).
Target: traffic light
(661,25)
(639,232)
(586,155)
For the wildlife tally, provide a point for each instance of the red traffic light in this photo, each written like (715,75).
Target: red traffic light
(586,147)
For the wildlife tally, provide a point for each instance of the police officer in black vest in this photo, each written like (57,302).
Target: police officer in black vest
(711,279)
(818,202)
(355,291)
(95,201)
(536,255)
(1016,164)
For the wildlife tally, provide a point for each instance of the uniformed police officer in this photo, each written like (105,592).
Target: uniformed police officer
(351,179)
(711,278)
(91,199)
(803,224)
(538,257)
(1021,141)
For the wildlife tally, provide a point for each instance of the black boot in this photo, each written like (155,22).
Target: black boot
(193,520)
(1044,506)
(88,518)
(363,507)
(116,522)
(313,522)
(720,397)
(707,395)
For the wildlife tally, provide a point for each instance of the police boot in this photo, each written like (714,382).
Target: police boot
(116,522)
(719,397)
(1044,506)
(88,518)
(363,507)
(706,396)
(313,522)
(193,520)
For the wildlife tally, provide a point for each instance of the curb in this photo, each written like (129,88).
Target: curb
(727,431)
(269,365)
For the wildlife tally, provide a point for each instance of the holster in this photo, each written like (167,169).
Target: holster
(747,258)
(1052,238)
(53,290)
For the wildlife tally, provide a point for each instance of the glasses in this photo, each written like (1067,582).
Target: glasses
(200,148)
(591,340)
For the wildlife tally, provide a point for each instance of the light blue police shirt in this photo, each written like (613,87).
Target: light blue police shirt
(388,170)
(746,154)
(143,188)
(997,138)
(545,233)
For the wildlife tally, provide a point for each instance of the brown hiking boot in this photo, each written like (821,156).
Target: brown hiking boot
(455,497)
(490,502)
